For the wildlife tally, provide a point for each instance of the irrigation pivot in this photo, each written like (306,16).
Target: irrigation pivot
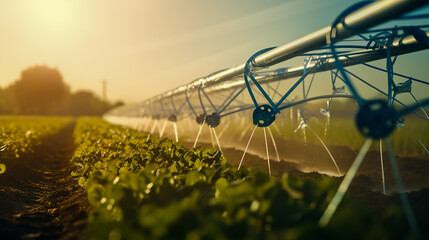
(194,98)
(345,51)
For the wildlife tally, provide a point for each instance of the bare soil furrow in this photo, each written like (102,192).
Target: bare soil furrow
(38,197)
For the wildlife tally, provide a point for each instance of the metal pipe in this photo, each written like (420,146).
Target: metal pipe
(364,18)
(402,45)
(399,46)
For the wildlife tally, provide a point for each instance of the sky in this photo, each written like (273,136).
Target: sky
(146,47)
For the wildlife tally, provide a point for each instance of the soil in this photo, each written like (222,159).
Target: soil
(38,197)
(310,157)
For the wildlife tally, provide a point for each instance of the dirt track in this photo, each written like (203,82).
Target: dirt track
(38,197)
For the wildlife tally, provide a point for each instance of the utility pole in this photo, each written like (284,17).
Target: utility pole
(104,90)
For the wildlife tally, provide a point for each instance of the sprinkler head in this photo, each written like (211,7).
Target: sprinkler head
(375,119)
(172,118)
(213,120)
(263,116)
(200,119)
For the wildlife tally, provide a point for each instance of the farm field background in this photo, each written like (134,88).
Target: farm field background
(339,130)
(201,120)
(303,146)
(88,178)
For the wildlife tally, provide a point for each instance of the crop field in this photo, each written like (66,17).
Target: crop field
(21,134)
(91,179)
(201,120)
(341,131)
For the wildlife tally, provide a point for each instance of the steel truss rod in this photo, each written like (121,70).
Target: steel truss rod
(400,46)
(368,16)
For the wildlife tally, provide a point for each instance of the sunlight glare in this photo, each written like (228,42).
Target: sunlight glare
(52,16)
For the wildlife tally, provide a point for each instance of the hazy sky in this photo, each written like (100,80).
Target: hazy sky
(146,47)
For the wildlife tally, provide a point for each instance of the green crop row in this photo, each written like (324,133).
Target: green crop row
(144,187)
(409,140)
(20,134)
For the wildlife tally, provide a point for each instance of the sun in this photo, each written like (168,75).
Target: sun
(52,16)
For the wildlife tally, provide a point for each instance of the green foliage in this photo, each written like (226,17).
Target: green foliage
(38,88)
(19,134)
(144,187)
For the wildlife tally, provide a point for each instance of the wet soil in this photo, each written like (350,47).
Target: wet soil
(312,157)
(38,197)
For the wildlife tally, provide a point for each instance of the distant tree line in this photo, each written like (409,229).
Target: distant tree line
(41,90)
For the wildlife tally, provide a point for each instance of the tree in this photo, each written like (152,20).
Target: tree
(84,103)
(7,101)
(39,88)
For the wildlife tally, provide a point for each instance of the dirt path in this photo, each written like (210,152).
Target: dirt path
(38,197)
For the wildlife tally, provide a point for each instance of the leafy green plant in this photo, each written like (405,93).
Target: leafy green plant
(20,134)
(144,187)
